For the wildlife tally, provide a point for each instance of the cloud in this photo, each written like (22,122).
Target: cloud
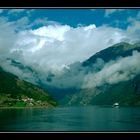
(22,22)
(134,25)
(93,9)
(16,11)
(114,72)
(138,15)
(53,47)
(1,11)
(109,12)
(7,37)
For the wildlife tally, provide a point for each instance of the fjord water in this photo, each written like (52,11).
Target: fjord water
(92,118)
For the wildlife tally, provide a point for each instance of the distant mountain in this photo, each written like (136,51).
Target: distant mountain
(124,92)
(122,49)
(15,92)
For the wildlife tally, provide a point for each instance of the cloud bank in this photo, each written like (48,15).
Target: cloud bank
(116,71)
(52,48)
(109,12)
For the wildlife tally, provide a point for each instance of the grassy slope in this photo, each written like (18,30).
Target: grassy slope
(13,90)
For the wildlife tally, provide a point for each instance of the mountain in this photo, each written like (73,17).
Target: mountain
(15,92)
(122,49)
(125,92)
(109,76)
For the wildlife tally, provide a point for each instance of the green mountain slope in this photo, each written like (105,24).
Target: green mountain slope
(126,93)
(18,93)
(121,49)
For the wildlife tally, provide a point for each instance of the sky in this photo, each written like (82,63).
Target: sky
(52,39)
(75,17)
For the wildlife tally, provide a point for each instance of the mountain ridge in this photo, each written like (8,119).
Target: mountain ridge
(126,92)
(120,49)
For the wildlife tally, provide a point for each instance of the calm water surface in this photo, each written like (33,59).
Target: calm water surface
(93,118)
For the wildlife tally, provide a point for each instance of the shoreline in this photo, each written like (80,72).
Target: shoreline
(26,107)
(51,107)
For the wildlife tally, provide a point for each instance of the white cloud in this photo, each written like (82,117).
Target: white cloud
(16,11)
(93,9)
(138,15)
(51,32)
(7,37)
(22,21)
(134,29)
(56,45)
(1,11)
(134,25)
(115,71)
(109,12)
(53,47)
(41,21)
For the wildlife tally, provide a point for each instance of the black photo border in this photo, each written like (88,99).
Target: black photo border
(37,4)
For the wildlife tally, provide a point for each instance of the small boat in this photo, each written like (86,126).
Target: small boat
(116,105)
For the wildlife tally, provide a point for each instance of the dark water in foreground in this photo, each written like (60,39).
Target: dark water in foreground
(71,119)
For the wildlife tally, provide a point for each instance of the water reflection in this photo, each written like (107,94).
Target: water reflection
(71,119)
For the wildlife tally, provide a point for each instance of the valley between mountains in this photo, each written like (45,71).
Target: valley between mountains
(109,76)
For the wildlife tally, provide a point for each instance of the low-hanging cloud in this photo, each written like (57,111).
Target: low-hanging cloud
(115,71)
